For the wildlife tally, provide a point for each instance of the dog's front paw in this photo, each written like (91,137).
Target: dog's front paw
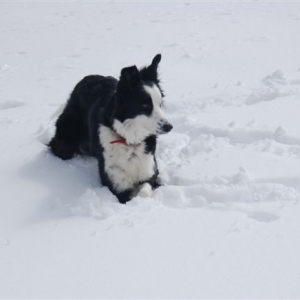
(145,191)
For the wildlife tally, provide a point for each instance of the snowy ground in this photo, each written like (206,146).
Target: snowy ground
(227,222)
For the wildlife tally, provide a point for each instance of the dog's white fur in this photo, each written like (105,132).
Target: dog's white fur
(145,190)
(123,162)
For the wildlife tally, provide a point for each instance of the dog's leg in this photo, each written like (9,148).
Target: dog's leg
(125,196)
(145,190)
(154,181)
(67,138)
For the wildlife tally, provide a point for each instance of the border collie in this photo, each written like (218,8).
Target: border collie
(117,122)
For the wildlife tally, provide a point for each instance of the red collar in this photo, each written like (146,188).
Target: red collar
(119,141)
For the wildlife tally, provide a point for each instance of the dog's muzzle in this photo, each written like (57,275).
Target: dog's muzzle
(165,127)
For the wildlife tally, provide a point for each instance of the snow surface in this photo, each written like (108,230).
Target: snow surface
(227,222)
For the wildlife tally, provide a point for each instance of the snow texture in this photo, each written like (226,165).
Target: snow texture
(226,222)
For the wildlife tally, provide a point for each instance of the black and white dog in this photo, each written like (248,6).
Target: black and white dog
(118,123)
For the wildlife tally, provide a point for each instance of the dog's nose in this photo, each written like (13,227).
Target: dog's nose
(167,127)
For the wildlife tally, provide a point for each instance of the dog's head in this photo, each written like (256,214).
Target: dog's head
(138,102)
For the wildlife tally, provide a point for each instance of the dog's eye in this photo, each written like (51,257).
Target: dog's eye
(146,104)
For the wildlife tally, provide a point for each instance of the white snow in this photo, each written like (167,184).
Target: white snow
(227,222)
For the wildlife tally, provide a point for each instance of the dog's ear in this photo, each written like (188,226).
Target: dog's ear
(156,60)
(150,72)
(129,78)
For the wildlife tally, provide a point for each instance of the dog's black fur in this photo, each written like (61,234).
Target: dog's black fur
(100,101)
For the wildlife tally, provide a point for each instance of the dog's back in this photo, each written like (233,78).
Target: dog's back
(76,127)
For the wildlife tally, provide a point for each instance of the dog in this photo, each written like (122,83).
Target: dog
(116,121)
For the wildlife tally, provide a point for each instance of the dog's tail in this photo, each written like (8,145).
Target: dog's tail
(58,111)
(46,131)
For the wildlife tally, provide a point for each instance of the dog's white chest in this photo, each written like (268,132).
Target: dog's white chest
(125,165)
